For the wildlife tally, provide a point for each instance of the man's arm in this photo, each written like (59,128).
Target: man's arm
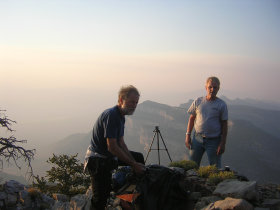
(121,151)
(189,130)
(122,144)
(222,146)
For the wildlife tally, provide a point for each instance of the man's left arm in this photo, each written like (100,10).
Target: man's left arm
(222,146)
(138,167)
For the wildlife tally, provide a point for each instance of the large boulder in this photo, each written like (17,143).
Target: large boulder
(237,189)
(59,205)
(205,201)
(10,195)
(34,199)
(47,199)
(272,204)
(3,197)
(230,204)
(25,198)
(13,186)
(78,202)
(11,199)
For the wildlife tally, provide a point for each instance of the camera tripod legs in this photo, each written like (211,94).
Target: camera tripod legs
(157,134)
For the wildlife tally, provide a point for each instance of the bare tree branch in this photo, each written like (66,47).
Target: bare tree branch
(4,121)
(11,149)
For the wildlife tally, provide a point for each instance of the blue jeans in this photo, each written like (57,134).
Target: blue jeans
(199,145)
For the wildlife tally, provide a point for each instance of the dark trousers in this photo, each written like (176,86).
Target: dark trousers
(101,177)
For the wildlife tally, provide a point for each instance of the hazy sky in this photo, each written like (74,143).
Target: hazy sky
(62,62)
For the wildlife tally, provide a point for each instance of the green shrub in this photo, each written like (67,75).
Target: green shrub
(41,184)
(78,190)
(185,164)
(205,171)
(66,176)
(213,175)
(216,178)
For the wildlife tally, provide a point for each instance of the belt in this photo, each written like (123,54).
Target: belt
(205,137)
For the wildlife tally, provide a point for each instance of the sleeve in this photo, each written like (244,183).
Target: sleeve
(192,109)
(224,112)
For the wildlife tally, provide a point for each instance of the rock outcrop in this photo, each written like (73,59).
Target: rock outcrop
(233,194)
(229,194)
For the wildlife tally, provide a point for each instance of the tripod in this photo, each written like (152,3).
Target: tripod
(157,134)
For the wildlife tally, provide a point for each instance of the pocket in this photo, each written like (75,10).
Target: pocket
(198,137)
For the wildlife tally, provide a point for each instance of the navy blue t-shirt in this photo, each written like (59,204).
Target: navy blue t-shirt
(110,124)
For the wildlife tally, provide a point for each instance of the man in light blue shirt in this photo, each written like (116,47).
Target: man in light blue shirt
(208,116)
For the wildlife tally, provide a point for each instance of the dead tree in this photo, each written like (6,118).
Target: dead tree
(10,147)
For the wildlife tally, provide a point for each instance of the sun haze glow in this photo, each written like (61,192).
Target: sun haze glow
(63,61)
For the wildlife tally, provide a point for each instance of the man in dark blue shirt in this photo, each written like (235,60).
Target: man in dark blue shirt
(107,145)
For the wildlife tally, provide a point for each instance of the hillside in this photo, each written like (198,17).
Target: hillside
(251,150)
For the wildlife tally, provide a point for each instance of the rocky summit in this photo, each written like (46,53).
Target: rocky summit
(229,194)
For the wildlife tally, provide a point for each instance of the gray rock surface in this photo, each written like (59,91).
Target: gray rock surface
(78,202)
(239,195)
(60,197)
(273,204)
(59,205)
(13,186)
(237,189)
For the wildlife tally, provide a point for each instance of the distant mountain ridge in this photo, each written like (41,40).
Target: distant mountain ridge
(253,103)
(6,177)
(273,106)
(252,145)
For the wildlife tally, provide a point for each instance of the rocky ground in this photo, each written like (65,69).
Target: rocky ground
(229,194)
(232,194)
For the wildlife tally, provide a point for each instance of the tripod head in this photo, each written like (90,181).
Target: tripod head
(156,129)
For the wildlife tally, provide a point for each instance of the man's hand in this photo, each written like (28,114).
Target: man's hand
(188,141)
(221,149)
(138,168)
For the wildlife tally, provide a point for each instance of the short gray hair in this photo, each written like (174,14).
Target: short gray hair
(213,79)
(125,91)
